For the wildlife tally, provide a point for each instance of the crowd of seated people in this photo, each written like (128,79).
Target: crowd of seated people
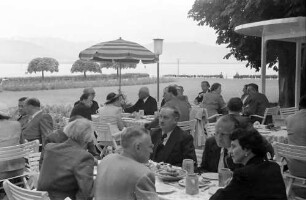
(69,154)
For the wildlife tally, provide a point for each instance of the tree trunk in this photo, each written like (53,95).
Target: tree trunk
(303,72)
(42,74)
(85,74)
(286,74)
(117,73)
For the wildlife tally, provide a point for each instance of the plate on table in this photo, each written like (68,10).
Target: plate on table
(127,118)
(210,176)
(162,188)
(173,175)
(202,182)
(264,132)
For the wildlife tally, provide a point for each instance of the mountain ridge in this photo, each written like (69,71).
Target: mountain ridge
(23,50)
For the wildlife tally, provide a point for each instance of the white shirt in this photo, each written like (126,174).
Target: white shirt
(166,138)
(145,99)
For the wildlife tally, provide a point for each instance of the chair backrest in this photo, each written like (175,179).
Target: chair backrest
(14,192)
(199,154)
(102,130)
(210,129)
(285,112)
(290,151)
(187,126)
(33,161)
(270,111)
(18,151)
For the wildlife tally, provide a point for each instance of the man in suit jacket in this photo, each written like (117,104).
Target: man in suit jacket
(171,144)
(145,102)
(124,176)
(23,118)
(211,159)
(256,103)
(40,124)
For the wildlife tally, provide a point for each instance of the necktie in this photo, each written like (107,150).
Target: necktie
(221,160)
(160,144)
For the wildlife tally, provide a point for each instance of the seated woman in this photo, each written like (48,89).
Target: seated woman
(259,178)
(10,132)
(111,113)
(213,101)
(67,169)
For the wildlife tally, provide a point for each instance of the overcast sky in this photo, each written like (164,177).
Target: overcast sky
(102,20)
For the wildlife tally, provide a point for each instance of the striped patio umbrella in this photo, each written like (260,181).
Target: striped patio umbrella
(120,51)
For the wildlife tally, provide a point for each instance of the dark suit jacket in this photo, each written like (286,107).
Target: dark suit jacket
(149,107)
(82,110)
(94,107)
(258,180)
(255,104)
(211,157)
(67,170)
(178,147)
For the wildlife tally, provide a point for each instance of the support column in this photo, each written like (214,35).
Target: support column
(298,73)
(263,64)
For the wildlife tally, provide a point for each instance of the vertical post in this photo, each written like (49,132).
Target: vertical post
(298,58)
(263,64)
(120,78)
(178,66)
(157,77)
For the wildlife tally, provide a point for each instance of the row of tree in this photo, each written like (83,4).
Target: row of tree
(83,66)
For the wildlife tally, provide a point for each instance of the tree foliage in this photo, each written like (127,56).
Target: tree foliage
(224,15)
(42,65)
(85,66)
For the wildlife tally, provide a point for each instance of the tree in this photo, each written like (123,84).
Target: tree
(225,15)
(42,65)
(85,66)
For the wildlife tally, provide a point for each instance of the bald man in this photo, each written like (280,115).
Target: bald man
(145,102)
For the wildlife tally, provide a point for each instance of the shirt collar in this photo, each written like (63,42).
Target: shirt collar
(145,99)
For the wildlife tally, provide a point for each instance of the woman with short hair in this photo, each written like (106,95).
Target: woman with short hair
(67,169)
(259,179)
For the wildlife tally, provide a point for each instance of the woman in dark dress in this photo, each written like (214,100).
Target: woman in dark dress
(259,179)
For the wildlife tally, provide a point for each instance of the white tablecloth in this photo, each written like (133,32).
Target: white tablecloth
(135,122)
(180,193)
(274,136)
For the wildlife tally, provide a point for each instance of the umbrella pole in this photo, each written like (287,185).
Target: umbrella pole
(120,78)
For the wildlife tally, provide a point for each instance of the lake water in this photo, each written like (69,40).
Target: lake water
(228,70)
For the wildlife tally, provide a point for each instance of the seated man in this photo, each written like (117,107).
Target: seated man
(234,106)
(145,102)
(124,176)
(94,106)
(205,88)
(171,144)
(83,108)
(256,103)
(215,155)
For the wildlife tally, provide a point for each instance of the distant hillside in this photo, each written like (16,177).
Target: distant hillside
(23,50)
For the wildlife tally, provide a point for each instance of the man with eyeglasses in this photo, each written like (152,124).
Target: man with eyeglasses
(215,155)
(95,106)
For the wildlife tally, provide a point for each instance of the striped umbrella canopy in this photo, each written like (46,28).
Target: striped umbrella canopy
(120,50)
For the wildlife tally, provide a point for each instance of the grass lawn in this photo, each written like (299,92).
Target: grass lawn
(230,88)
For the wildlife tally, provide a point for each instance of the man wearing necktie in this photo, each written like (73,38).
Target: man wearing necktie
(215,155)
(171,144)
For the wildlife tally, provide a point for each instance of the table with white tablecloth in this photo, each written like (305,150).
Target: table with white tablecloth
(274,135)
(136,122)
